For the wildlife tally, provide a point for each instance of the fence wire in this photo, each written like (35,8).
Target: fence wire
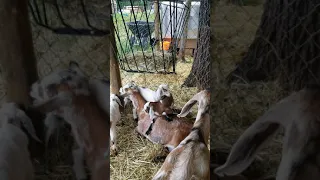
(263,50)
(149,40)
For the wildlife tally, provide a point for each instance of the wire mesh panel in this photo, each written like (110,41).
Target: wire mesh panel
(92,16)
(148,33)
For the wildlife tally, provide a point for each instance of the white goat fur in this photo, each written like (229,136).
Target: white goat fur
(190,159)
(15,162)
(39,91)
(70,112)
(115,116)
(148,94)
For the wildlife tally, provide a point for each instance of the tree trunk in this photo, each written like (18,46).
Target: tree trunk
(16,51)
(157,24)
(286,46)
(200,74)
(185,32)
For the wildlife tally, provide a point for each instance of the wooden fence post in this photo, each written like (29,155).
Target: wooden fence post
(115,78)
(17,57)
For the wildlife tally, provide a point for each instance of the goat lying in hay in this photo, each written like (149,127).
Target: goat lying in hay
(191,158)
(45,89)
(161,100)
(15,162)
(158,129)
(72,99)
(299,114)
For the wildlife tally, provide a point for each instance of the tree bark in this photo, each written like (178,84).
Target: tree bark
(200,74)
(157,23)
(16,51)
(286,46)
(185,32)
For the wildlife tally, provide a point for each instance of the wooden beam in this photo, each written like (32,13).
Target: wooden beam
(17,57)
(115,78)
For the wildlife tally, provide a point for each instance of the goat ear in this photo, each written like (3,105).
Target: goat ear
(60,100)
(118,101)
(187,107)
(257,135)
(73,65)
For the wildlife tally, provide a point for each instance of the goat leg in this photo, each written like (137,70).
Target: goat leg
(78,163)
(135,114)
(113,137)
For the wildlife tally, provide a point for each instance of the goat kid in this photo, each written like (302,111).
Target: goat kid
(80,109)
(45,88)
(158,129)
(14,153)
(162,99)
(116,107)
(299,115)
(191,158)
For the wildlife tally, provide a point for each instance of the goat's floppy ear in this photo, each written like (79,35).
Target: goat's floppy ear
(187,107)
(60,100)
(256,136)
(73,65)
(76,67)
(116,98)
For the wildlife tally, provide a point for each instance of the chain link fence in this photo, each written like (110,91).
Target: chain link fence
(263,50)
(149,34)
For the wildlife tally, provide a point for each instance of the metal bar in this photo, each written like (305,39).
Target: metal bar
(135,20)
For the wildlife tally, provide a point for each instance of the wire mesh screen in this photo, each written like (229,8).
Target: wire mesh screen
(148,34)
(54,50)
(201,68)
(91,16)
(264,50)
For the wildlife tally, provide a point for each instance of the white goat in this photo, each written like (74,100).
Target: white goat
(151,96)
(15,162)
(115,116)
(299,114)
(191,158)
(73,100)
(45,89)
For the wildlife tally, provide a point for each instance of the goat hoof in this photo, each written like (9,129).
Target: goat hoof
(114,151)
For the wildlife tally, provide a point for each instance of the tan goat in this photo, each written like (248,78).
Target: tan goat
(90,124)
(158,129)
(299,115)
(161,100)
(191,158)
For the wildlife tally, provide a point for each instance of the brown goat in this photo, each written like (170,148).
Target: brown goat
(158,129)
(89,127)
(190,160)
(299,115)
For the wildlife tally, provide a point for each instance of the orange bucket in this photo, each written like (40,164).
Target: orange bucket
(166,45)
